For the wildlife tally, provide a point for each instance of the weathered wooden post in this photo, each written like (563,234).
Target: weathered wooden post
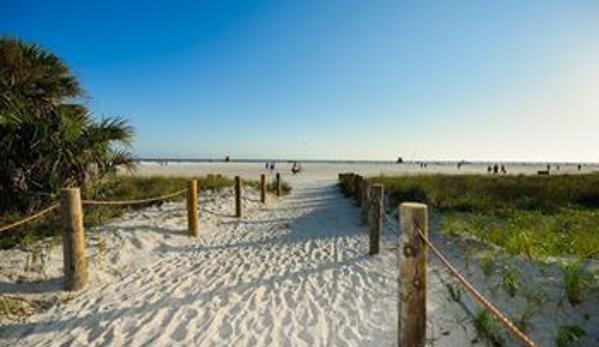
(237,196)
(412,275)
(263,188)
(278,184)
(358,189)
(74,253)
(376,218)
(192,208)
(365,204)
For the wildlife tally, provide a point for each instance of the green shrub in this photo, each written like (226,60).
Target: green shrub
(510,280)
(576,282)
(487,265)
(454,292)
(488,328)
(568,334)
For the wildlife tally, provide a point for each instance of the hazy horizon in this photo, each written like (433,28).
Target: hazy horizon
(342,160)
(461,80)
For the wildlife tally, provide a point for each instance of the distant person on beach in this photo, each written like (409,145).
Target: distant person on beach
(296,168)
(495,169)
(272,166)
(503,170)
(489,169)
(579,167)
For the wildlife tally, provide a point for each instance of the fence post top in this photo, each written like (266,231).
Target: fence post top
(376,185)
(72,189)
(413,205)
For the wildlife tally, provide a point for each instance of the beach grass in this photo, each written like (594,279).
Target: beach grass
(485,193)
(536,235)
(533,216)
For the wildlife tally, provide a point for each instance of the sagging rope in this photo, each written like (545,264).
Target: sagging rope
(30,218)
(394,225)
(525,340)
(203,209)
(250,199)
(135,202)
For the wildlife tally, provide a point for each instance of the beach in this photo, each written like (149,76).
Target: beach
(292,272)
(330,170)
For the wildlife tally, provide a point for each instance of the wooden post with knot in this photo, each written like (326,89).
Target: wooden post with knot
(237,196)
(192,208)
(376,218)
(263,188)
(278,184)
(73,238)
(412,275)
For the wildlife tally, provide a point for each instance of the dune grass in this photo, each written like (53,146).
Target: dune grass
(534,216)
(483,193)
(536,235)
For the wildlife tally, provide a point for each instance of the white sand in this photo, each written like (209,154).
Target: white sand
(292,273)
(327,171)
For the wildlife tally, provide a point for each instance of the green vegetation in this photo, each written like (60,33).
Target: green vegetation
(479,193)
(577,282)
(510,280)
(487,265)
(567,335)
(13,307)
(271,186)
(534,216)
(532,234)
(108,189)
(48,138)
(454,292)
(488,328)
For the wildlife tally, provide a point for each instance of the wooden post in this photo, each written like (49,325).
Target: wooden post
(74,253)
(278,184)
(412,275)
(263,188)
(237,196)
(192,208)
(376,218)
(365,204)
(358,189)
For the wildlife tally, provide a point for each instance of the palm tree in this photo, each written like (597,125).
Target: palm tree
(48,139)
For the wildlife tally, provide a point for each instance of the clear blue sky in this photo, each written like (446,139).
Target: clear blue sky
(497,80)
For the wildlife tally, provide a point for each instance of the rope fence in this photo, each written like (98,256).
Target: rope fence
(135,202)
(413,254)
(35,216)
(525,340)
(71,205)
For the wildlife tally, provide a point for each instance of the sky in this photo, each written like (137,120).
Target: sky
(507,80)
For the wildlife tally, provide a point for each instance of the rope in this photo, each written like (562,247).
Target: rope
(250,200)
(30,218)
(134,202)
(525,340)
(203,209)
(394,225)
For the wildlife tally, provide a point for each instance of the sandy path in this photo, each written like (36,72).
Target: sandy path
(294,273)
